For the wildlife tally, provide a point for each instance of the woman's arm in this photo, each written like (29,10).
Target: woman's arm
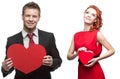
(110,50)
(71,55)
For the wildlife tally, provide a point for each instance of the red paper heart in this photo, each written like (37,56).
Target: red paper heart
(85,56)
(26,59)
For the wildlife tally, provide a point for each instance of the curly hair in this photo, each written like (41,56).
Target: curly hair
(98,24)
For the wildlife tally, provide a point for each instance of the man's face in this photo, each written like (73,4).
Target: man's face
(30,19)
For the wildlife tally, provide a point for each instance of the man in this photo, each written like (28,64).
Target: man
(30,17)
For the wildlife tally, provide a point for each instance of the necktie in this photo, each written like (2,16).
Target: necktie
(31,38)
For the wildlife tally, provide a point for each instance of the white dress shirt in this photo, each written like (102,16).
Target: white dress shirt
(26,38)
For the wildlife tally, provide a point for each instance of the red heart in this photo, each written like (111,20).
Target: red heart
(26,59)
(85,56)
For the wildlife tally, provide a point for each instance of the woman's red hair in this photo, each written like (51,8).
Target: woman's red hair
(98,24)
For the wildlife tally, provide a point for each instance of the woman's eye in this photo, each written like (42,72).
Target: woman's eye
(86,12)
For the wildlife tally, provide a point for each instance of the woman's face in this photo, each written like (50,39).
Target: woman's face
(90,16)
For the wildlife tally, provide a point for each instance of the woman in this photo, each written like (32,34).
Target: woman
(88,44)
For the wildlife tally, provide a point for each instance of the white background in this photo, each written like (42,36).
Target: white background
(64,18)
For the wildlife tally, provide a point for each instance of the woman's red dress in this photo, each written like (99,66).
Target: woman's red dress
(88,39)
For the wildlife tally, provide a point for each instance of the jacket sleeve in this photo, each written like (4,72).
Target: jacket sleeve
(54,53)
(5,73)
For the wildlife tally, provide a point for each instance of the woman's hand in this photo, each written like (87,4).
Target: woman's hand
(82,49)
(91,62)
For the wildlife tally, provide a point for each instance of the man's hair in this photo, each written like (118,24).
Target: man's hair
(31,5)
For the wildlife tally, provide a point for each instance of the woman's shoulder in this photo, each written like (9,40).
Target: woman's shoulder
(77,33)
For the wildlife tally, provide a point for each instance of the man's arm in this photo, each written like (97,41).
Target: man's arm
(55,54)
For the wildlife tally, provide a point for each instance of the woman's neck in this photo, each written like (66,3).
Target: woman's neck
(87,27)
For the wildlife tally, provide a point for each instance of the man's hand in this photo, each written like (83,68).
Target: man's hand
(7,64)
(48,60)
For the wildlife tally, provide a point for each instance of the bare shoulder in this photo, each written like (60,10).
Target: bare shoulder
(100,34)
(100,37)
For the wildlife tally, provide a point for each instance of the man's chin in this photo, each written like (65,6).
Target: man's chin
(30,28)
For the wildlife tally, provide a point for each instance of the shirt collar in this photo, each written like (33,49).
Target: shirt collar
(24,33)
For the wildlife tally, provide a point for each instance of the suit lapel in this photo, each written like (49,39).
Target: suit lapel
(40,36)
(19,38)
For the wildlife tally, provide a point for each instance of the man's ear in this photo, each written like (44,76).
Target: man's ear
(39,18)
(22,16)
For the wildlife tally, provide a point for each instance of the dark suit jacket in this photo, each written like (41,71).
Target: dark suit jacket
(48,41)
